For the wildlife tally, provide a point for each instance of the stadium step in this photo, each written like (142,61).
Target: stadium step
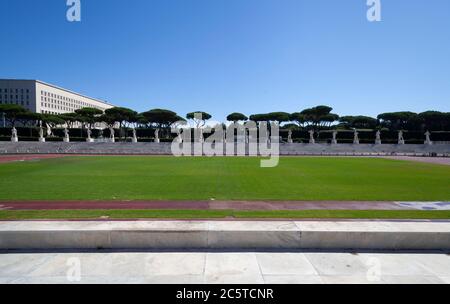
(210,235)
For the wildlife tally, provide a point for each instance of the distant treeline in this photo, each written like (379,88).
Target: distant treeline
(320,119)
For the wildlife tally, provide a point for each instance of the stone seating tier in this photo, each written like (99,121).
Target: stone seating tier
(165,149)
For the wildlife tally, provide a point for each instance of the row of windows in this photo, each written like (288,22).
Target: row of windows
(22,103)
(15,91)
(49,112)
(62,103)
(12,97)
(59,107)
(56,101)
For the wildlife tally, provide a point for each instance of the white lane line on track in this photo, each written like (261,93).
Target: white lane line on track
(427,206)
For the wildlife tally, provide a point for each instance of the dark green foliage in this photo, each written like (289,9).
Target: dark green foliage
(235,117)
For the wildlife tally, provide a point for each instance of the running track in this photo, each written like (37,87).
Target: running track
(31,157)
(202,205)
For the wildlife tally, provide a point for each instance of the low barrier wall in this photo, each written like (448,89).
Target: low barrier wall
(182,235)
(442,150)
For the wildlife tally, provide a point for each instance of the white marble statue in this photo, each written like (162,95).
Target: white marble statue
(89,134)
(378,138)
(401,140)
(134,139)
(157,140)
(334,140)
(49,129)
(356,137)
(311,137)
(14,137)
(428,138)
(111,134)
(290,141)
(66,135)
(41,134)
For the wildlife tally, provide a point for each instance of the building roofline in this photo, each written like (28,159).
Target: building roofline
(59,88)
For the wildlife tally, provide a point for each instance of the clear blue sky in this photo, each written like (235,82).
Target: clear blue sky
(248,56)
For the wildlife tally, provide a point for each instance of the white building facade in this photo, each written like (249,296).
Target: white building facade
(41,97)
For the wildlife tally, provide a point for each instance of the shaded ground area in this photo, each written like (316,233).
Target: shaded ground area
(203,205)
(225,267)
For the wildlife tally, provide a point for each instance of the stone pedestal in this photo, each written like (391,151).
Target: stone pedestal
(14,139)
(378,142)
(89,140)
(401,142)
(134,140)
(334,142)
(157,140)
(42,140)
(66,140)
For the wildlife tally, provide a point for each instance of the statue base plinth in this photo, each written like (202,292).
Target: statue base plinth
(89,140)
(428,143)
(14,139)
(157,141)
(66,140)
(134,140)
(42,140)
(334,142)
(401,143)
(356,142)
(378,142)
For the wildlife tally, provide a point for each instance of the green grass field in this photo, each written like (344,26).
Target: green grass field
(168,178)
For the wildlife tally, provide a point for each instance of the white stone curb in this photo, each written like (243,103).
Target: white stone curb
(162,235)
